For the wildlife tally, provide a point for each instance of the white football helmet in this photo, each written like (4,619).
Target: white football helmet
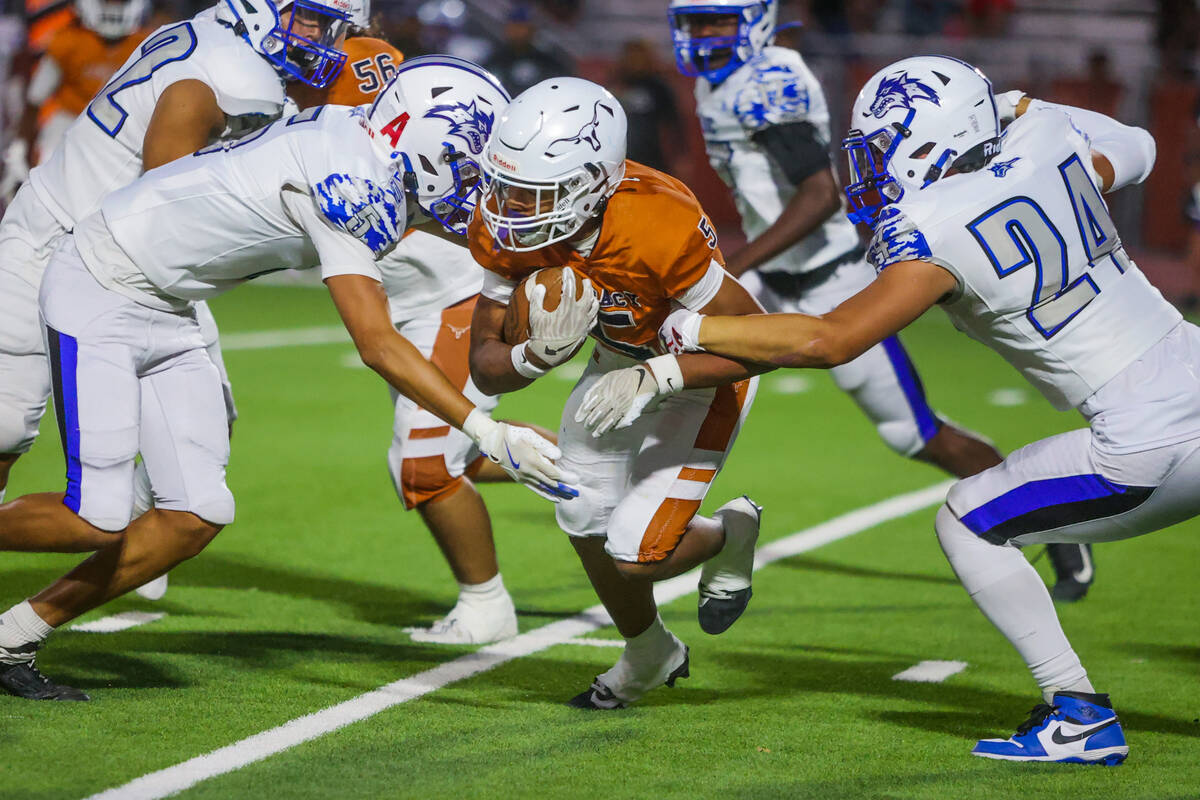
(913,122)
(435,116)
(112,19)
(716,57)
(556,155)
(301,43)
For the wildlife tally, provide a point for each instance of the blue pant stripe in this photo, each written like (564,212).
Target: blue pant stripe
(1037,495)
(64,363)
(914,392)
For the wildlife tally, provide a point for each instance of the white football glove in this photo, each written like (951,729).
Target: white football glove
(554,335)
(680,331)
(524,455)
(621,396)
(1006,105)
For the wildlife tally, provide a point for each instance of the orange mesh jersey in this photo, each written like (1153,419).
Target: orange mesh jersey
(87,61)
(655,243)
(370,63)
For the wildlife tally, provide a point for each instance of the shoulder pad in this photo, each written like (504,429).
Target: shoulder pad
(773,90)
(896,239)
(371,213)
(242,80)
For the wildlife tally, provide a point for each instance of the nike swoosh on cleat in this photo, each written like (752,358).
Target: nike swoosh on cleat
(1057,736)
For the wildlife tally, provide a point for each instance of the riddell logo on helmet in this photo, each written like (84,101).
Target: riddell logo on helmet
(508,165)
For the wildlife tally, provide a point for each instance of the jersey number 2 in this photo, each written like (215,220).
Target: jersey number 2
(172,44)
(1018,233)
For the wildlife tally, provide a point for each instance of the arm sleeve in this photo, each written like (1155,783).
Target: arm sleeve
(46,78)
(496,287)
(1130,150)
(701,293)
(339,252)
(796,148)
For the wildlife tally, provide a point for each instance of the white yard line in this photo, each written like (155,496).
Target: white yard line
(284,337)
(930,671)
(119,622)
(173,780)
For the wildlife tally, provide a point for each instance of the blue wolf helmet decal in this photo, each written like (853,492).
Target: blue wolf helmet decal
(899,91)
(467,122)
(916,122)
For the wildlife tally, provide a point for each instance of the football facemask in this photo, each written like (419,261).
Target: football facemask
(305,43)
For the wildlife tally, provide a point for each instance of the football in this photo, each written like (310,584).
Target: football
(516,318)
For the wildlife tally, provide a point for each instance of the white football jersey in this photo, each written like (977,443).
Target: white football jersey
(776,87)
(306,191)
(1043,278)
(425,273)
(102,149)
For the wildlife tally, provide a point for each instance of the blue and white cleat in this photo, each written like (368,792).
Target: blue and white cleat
(1077,729)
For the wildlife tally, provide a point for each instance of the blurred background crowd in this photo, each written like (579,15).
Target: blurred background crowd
(1136,60)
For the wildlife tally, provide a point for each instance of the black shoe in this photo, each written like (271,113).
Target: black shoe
(24,679)
(1074,571)
(717,612)
(599,697)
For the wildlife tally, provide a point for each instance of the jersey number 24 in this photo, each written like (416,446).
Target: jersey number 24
(1018,233)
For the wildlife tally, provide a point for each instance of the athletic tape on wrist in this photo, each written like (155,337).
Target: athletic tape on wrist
(522,364)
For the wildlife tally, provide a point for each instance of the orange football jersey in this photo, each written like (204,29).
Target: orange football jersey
(655,243)
(87,61)
(370,63)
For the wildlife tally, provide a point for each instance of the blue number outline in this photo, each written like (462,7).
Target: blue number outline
(156,42)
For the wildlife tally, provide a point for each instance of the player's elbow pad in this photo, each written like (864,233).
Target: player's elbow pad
(1131,154)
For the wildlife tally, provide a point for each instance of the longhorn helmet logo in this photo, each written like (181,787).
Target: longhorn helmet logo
(589,133)
(899,91)
(467,121)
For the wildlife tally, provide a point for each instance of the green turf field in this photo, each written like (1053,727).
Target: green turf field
(299,606)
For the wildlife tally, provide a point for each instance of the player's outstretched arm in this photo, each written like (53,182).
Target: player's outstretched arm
(185,119)
(527,457)
(901,293)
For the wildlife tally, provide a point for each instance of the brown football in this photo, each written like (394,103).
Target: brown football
(516,318)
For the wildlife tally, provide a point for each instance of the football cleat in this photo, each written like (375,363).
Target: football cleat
(1077,728)
(472,624)
(19,676)
(153,590)
(601,698)
(725,578)
(1073,569)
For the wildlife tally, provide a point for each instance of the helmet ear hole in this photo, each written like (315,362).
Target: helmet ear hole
(922,151)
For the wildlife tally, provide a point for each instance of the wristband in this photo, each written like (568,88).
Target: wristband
(522,364)
(478,424)
(667,374)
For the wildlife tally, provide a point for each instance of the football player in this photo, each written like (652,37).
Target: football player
(561,193)
(78,61)
(332,187)
(1007,231)
(766,127)
(215,76)
(432,287)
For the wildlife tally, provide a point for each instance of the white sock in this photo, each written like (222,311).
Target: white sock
(1013,597)
(477,594)
(650,641)
(2,491)
(21,625)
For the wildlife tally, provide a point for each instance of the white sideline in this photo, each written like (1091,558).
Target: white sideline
(284,337)
(173,780)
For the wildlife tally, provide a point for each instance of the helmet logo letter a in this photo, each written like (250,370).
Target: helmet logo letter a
(899,91)
(467,122)
(588,133)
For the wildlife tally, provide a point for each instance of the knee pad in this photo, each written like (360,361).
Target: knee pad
(16,433)
(420,478)
(902,436)
(218,509)
(112,515)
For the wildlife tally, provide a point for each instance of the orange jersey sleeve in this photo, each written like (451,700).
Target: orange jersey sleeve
(655,244)
(87,62)
(370,63)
